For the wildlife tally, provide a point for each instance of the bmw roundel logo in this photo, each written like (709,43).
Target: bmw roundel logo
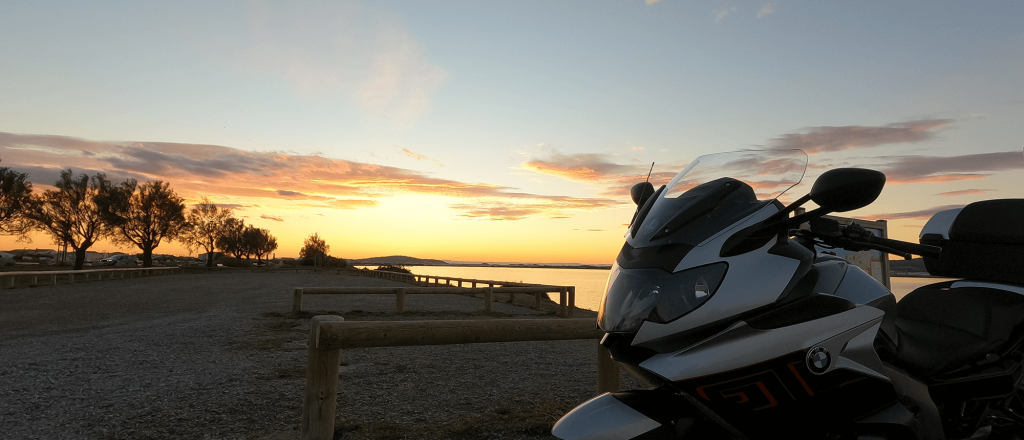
(818,360)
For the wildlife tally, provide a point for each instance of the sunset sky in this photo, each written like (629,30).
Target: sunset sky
(504,131)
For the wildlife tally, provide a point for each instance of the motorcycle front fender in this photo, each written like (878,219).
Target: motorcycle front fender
(603,417)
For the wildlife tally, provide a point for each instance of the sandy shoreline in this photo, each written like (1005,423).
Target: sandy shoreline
(220,356)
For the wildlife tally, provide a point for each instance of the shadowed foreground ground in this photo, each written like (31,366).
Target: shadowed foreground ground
(220,356)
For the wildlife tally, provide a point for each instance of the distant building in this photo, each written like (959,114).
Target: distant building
(218,257)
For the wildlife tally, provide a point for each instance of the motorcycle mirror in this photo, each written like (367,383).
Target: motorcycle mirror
(846,189)
(641,192)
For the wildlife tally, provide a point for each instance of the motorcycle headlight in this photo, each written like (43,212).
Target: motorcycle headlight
(637,295)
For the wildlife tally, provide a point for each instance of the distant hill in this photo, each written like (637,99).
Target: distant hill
(399,260)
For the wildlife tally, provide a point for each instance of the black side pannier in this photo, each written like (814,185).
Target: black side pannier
(985,242)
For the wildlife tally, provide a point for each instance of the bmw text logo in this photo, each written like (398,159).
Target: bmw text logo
(818,360)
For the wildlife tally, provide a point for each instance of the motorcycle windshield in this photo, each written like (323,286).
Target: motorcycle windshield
(709,197)
(714,192)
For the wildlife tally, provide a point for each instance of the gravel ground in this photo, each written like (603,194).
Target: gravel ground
(220,356)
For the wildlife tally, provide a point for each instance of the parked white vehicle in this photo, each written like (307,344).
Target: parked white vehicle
(122,260)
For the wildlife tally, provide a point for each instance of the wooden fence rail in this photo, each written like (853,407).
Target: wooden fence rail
(7,278)
(330,334)
(566,297)
(567,294)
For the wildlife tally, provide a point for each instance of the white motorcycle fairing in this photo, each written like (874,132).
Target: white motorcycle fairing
(848,336)
(603,418)
(765,277)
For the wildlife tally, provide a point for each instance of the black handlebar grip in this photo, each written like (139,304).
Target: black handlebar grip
(910,248)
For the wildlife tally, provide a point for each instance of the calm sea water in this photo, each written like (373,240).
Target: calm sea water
(590,283)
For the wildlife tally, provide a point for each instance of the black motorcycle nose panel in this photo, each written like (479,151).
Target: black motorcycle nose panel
(943,329)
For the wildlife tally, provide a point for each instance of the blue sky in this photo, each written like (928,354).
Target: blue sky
(476,118)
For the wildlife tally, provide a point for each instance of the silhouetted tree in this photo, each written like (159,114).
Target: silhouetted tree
(70,214)
(259,241)
(205,227)
(15,197)
(316,248)
(232,241)
(143,215)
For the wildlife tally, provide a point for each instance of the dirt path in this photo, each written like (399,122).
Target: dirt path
(220,356)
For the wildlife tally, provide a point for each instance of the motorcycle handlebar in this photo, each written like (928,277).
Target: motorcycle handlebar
(855,237)
(905,247)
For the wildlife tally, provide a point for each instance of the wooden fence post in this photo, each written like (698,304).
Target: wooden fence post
(399,300)
(607,371)
(321,401)
(563,302)
(297,301)
(489,300)
(572,300)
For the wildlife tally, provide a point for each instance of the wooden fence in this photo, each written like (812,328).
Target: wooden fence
(7,278)
(566,294)
(330,334)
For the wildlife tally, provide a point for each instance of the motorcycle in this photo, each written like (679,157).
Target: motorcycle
(732,310)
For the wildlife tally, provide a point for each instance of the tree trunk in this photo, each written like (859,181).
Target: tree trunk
(79,258)
(147,257)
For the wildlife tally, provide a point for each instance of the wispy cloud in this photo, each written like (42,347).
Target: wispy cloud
(824,139)
(600,170)
(588,167)
(766,10)
(270,217)
(353,203)
(546,206)
(937,169)
(497,213)
(919,214)
(338,50)
(593,168)
(723,13)
(965,192)
(419,156)
(227,174)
